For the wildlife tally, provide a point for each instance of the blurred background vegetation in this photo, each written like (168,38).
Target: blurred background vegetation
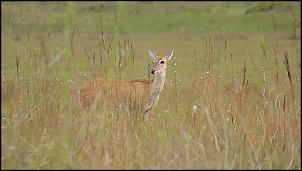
(152,17)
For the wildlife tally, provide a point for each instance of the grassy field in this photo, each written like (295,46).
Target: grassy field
(238,63)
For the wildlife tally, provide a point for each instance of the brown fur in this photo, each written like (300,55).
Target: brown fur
(121,91)
(141,95)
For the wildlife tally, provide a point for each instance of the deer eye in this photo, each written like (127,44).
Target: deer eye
(162,62)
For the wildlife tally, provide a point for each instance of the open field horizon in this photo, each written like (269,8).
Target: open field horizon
(231,100)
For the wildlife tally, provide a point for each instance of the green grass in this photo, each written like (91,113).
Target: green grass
(154,17)
(231,67)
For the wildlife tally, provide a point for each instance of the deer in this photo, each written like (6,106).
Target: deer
(140,94)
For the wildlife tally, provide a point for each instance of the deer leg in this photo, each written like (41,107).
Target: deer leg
(147,110)
(146,114)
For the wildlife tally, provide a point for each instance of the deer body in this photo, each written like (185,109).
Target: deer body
(141,94)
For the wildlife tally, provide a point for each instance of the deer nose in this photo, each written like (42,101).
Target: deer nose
(154,71)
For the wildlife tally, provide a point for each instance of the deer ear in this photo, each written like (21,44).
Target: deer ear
(170,54)
(152,55)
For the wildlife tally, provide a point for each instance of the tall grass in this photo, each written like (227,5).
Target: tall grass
(222,107)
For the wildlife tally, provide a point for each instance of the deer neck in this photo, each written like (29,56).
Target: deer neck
(157,84)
